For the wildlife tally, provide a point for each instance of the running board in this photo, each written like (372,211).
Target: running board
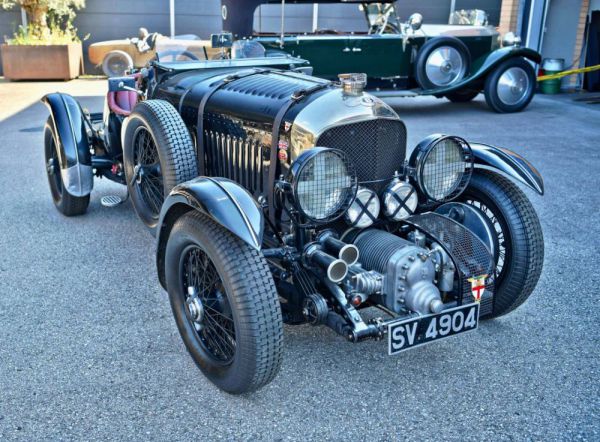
(394,94)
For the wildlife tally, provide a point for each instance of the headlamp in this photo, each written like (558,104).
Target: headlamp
(323,183)
(511,39)
(400,200)
(364,210)
(443,166)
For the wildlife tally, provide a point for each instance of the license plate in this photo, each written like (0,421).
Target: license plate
(410,333)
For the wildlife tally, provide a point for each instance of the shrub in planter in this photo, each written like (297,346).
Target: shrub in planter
(48,48)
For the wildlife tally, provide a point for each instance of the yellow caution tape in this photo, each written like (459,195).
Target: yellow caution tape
(571,72)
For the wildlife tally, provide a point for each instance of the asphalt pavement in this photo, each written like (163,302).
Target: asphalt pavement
(89,349)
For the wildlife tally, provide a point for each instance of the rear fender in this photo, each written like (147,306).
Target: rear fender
(508,163)
(486,64)
(73,147)
(222,200)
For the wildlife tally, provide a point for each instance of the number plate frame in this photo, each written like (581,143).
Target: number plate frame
(422,325)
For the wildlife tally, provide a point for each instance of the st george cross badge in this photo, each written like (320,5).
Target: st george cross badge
(477,286)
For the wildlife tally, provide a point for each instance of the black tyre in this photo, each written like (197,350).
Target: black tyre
(158,154)
(442,62)
(510,87)
(116,63)
(66,203)
(462,95)
(520,256)
(225,304)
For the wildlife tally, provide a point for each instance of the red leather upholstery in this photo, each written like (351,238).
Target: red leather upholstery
(122,102)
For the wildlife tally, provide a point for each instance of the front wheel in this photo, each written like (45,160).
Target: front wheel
(520,254)
(510,87)
(225,304)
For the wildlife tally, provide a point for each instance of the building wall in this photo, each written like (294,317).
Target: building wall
(562,31)
(9,21)
(117,19)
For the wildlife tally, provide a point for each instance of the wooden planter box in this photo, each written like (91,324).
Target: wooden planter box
(37,62)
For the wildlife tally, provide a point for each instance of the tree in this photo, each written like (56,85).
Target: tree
(38,12)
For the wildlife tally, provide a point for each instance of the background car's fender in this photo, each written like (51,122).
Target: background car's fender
(73,147)
(223,200)
(484,65)
(508,163)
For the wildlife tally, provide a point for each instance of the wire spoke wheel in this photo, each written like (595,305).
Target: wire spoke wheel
(208,307)
(148,178)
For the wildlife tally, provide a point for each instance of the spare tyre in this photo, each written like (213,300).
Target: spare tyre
(442,62)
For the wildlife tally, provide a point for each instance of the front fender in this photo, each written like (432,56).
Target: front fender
(224,201)
(508,163)
(73,146)
(486,64)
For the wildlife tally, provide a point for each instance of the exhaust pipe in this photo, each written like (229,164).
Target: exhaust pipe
(346,252)
(335,269)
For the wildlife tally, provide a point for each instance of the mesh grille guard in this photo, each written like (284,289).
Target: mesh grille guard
(469,253)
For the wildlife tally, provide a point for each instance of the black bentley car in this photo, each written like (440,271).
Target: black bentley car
(277,197)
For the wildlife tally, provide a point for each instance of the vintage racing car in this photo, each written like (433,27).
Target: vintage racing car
(403,59)
(278,197)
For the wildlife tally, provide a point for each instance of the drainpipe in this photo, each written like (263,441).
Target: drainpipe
(172,17)
(24,18)
(282,23)
(315,23)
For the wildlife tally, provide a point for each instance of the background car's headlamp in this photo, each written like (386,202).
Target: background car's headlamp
(400,200)
(442,166)
(511,39)
(364,210)
(323,183)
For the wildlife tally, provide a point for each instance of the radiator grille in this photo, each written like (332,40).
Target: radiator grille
(238,159)
(470,255)
(376,147)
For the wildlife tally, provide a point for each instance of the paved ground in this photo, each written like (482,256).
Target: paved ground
(89,350)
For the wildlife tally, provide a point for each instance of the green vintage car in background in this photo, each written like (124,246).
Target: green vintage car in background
(404,58)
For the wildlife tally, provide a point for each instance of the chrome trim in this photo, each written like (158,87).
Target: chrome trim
(332,109)
(66,172)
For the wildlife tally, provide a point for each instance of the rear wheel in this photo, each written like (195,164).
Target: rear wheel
(158,154)
(510,87)
(520,255)
(225,304)
(66,203)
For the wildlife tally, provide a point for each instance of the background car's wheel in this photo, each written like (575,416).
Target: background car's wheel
(66,204)
(225,304)
(442,62)
(158,154)
(462,95)
(520,257)
(116,63)
(510,87)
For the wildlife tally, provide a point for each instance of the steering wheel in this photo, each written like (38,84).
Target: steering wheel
(175,54)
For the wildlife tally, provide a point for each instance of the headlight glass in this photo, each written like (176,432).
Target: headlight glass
(324,184)
(400,200)
(443,166)
(364,210)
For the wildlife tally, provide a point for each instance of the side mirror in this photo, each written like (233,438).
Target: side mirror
(222,40)
(415,21)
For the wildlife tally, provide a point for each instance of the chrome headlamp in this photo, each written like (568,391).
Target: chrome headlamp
(323,183)
(442,166)
(400,200)
(364,210)
(511,39)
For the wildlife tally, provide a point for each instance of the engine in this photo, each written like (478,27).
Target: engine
(407,271)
